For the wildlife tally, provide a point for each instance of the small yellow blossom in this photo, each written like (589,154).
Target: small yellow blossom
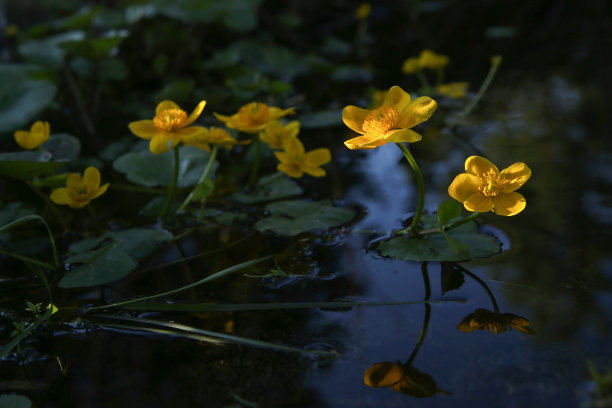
(484,188)
(80,191)
(431,60)
(363,11)
(412,66)
(219,136)
(254,117)
(275,133)
(454,90)
(170,126)
(294,161)
(38,134)
(494,322)
(390,122)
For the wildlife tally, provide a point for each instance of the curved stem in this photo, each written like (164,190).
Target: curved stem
(424,82)
(425,274)
(211,160)
(421,186)
(462,221)
(255,170)
(483,284)
(173,185)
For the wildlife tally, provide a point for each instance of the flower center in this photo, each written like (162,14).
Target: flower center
(169,120)
(254,113)
(80,193)
(380,120)
(490,187)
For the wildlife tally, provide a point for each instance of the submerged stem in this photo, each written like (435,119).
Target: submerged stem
(421,186)
(425,274)
(172,185)
(209,165)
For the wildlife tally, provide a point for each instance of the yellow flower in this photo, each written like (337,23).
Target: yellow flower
(170,126)
(494,322)
(378,96)
(484,188)
(253,117)
(411,66)
(390,122)
(431,60)
(295,161)
(275,133)
(216,135)
(454,89)
(80,191)
(38,134)
(363,11)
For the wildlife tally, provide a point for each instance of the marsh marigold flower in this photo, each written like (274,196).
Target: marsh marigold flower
(484,188)
(38,134)
(80,191)
(170,126)
(494,322)
(453,90)
(431,60)
(275,133)
(294,161)
(253,117)
(411,66)
(363,11)
(390,122)
(218,136)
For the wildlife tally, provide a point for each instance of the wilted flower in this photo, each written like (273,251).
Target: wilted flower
(402,378)
(294,161)
(484,188)
(390,122)
(454,89)
(38,134)
(170,126)
(253,117)
(494,322)
(80,191)
(276,132)
(219,136)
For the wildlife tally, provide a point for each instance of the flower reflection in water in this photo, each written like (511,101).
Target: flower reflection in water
(496,322)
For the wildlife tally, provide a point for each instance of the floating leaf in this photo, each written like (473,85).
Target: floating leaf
(26,165)
(272,187)
(435,247)
(101,266)
(297,216)
(150,170)
(62,146)
(222,217)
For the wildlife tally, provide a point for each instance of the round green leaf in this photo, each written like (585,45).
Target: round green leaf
(102,266)
(26,165)
(62,146)
(272,187)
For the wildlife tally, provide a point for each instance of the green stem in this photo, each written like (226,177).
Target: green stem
(28,330)
(94,217)
(425,274)
(52,206)
(462,221)
(211,160)
(23,220)
(421,186)
(42,277)
(424,82)
(222,273)
(439,77)
(255,169)
(483,284)
(173,185)
(495,63)
(27,259)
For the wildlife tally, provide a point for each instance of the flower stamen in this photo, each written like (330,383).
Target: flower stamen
(380,120)
(170,120)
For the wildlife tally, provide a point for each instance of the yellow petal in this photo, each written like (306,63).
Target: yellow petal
(293,128)
(478,202)
(144,129)
(397,98)
(61,196)
(164,105)
(161,143)
(417,111)
(100,191)
(293,146)
(481,167)
(196,113)
(514,176)
(383,374)
(290,170)
(91,178)
(79,204)
(353,117)
(463,186)
(23,140)
(283,157)
(193,134)
(222,118)
(313,171)
(364,142)
(38,126)
(402,135)
(509,203)
(317,157)
(276,113)
(74,180)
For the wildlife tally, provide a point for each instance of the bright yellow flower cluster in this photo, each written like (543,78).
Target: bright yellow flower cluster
(38,134)
(427,59)
(80,191)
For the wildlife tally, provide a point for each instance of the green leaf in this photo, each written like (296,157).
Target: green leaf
(14,401)
(294,217)
(10,212)
(54,181)
(95,48)
(222,217)
(138,243)
(351,73)
(451,278)
(62,146)
(204,189)
(101,266)
(26,165)
(21,97)
(150,170)
(47,52)
(448,210)
(435,247)
(272,187)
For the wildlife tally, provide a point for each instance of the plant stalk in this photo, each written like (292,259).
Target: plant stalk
(173,185)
